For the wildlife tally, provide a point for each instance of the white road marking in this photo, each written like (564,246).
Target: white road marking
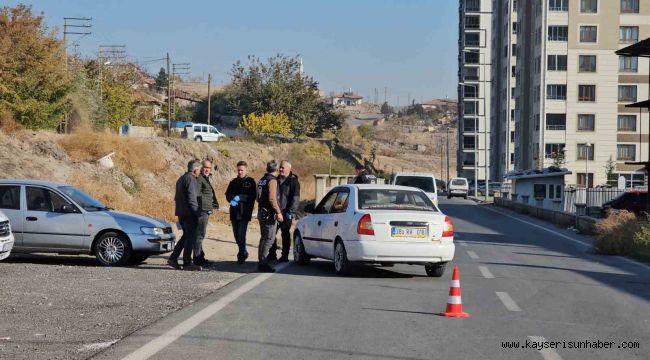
(485,272)
(159,343)
(507,301)
(472,254)
(462,243)
(629,261)
(547,354)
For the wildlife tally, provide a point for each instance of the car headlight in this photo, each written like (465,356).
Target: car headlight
(152,230)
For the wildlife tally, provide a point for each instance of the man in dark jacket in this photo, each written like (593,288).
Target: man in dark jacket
(187,210)
(207,204)
(364,176)
(269,214)
(241,194)
(289,199)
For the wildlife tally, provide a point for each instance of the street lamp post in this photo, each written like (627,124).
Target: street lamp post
(587,147)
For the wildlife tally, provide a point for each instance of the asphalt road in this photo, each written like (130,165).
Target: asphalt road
(521,280)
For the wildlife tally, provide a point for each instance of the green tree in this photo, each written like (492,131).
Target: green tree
(118,104)
(386,109)
(33,81)
(162,80)
(610,166)
(558,158)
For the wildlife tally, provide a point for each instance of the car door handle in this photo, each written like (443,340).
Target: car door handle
(319,222)
(31,218)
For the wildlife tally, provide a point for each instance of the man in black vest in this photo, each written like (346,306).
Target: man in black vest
(289,198)
(241,194)
(268,214)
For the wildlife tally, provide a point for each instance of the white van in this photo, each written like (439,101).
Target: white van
(6,237)
(203,133)
(423,181)
(457,187)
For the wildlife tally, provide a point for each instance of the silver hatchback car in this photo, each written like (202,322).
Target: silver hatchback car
(49,217)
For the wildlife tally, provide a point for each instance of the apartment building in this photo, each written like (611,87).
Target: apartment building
(474,73)
(504,60)
(571,88)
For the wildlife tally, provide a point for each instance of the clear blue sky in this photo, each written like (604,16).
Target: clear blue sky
(408,46)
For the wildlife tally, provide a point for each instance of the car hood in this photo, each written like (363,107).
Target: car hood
(120,216)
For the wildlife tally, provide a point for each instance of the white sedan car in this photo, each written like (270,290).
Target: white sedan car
(6,237)
(380,224)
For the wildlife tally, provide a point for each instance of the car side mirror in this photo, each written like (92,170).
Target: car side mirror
(309,208)
(68,209)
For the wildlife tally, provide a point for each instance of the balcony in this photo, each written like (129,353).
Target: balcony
(555,127)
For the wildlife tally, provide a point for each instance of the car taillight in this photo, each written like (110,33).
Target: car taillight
(447,227)
(364,227)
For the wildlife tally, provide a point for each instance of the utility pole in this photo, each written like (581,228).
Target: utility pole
(385,92)
(447,155)
(210,79)
(74,23)
(184,70)
(169,100)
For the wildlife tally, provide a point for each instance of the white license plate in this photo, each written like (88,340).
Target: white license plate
(408,232)
(168,246)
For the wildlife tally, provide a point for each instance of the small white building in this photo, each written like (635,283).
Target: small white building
(346,99)
(542,188)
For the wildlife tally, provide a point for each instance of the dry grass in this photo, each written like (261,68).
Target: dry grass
(8,124)
(615,233)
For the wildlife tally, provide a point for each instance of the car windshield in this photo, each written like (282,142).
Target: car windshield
(385,199)
(82,199)
(421,182)
(460,182)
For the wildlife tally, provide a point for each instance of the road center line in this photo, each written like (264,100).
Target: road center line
(472,254)
(507,301)
(547,353)
(159,343)
(485,272)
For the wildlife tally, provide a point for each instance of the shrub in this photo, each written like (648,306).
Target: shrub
(615,233)
(366,131)
(7,123)
(641,241)
(266,124)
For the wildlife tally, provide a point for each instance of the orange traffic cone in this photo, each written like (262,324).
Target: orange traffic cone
(454,302)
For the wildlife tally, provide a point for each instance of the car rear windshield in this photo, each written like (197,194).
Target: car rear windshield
(82,199)
(384,199)
(459,182)
(421,182)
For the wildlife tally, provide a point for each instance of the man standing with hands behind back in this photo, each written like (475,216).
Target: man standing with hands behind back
(241,194)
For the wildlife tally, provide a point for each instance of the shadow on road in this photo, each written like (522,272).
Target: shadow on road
(323,268)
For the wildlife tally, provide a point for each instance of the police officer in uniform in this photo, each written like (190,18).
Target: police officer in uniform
(364,176)
(241,195)
(268,214)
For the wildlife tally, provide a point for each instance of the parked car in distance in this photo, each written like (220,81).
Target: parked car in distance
(376,224)
(6,237)
(458,187)
(48,217)
(203,133)
(635,201)
(423,181)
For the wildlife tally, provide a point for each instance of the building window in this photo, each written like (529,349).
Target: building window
(631,180)
(630,6)
(589,34)
(513,71)
(472,57)
(471,91)
(587,63)
(515,27)
(627,93)
(552,150)
(586,180)
(472,22)
(589,6)
(628,64)
(556,92)
(470,73)
(555,121)
(587,93)
(469,124)
(512,115)
(627,123)
(626,152)
(468,159)
(473,5)
(558,5)
(470,108)
(514,50)
(558,33)
(512,136)
(556,62)
(628,34)
(585,152)
(469,142)
(586,122)
(472,39)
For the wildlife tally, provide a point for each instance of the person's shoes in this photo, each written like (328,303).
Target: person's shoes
(272,257)
(204,262)
(283,259)
(265,269)
(192,267)
(173,264)
(242,258)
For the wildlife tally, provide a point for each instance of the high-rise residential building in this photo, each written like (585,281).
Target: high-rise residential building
(571,88)
(474,59)
(504,59)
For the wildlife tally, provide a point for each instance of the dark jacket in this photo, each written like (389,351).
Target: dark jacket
(289,193)
(365,178)
(245,189)
(267,194)
(186,198)
(207,198)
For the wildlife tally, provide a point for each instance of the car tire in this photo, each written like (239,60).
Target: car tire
(465,197)
(341,263)
(300,256)
(435,270)
(113,249)
(198,139)
(137,259)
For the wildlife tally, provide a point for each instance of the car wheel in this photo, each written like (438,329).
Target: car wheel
(137,259)
(113,249)
(341,262)
(198,139)
(448,196)
(465,197)
(300,256)
(435,270)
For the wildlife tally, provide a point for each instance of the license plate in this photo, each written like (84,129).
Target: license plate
(168,246)
(408,232)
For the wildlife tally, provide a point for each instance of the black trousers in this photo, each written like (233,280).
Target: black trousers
(188,242)
(239,229)
(285,230)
